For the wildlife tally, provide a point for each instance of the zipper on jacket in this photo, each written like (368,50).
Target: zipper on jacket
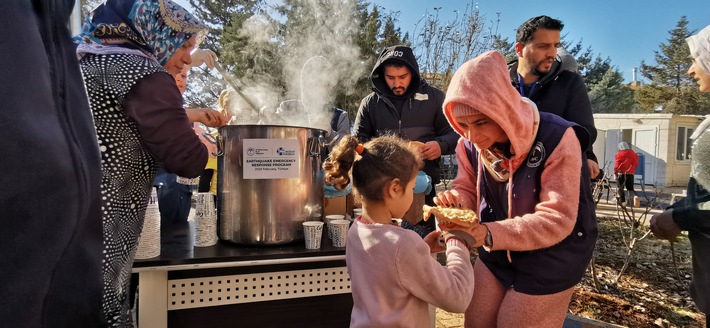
(59,78)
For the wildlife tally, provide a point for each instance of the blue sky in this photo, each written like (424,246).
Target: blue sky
(624,30)
(627,31)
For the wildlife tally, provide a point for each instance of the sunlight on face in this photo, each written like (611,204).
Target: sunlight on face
(540,52)
(181,57)
(481,130)
(398,79)
(700,76)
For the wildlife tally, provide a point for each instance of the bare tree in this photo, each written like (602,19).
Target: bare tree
(633,229)
(442,46)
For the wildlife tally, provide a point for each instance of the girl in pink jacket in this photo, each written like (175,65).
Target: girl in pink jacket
(393,275)
(525,174)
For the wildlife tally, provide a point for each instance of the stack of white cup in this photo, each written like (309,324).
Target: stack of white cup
(205,220)
(329,219)
(149,240)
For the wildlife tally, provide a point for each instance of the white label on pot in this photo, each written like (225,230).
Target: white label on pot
(271,158)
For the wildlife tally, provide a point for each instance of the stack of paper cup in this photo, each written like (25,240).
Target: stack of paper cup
(329,219)
(149,240)
(313,231)
(205,220)
(340,232)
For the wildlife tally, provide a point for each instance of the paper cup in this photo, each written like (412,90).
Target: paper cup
(332,217)
(313,231)
(340,232)
(149,239)
(205,220)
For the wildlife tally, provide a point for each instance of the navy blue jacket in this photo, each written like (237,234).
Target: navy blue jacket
(556,268)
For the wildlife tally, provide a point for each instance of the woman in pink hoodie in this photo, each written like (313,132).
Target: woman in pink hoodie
(525,174)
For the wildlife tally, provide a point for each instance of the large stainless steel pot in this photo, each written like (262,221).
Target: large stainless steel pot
(269,182)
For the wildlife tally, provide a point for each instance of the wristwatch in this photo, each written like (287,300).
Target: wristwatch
(488,242)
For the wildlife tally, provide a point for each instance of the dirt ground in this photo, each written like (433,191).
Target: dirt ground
(649,293)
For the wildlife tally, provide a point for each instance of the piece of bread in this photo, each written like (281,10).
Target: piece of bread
(460,216)
(417,144)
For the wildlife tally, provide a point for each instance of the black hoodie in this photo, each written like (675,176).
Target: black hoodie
(50,240)
(563,93)
(420,116)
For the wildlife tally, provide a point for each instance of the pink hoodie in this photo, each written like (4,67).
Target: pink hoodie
(484,84)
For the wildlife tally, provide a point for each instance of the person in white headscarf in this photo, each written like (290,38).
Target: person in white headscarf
(692,213)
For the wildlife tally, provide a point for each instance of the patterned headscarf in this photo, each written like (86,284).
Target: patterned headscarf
(157,28)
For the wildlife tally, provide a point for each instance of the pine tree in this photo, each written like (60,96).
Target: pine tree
(392,35)
(671,89)
(671,60)
(377,30)
(609,95)
(225,18)
(590,66)
(502,45)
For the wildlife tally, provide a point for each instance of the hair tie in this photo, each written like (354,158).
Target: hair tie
(359,149)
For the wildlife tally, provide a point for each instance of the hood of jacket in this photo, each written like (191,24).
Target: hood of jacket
(401,54)
(556,69)
(483,84)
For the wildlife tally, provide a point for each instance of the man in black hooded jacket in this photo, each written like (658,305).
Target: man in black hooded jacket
(539,76)
(403,104)
(50,240)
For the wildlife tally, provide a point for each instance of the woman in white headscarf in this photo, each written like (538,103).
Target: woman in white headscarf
(692,213)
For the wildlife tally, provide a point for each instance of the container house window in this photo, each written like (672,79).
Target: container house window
(684,144)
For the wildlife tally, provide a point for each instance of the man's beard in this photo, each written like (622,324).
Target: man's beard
(398,88)
(535,68)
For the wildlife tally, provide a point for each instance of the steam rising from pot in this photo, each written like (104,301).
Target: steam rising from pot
(317,59)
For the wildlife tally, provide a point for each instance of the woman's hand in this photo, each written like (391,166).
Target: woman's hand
(450,198)
(211,147)
(207,116)
(203,56)
(663,226)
